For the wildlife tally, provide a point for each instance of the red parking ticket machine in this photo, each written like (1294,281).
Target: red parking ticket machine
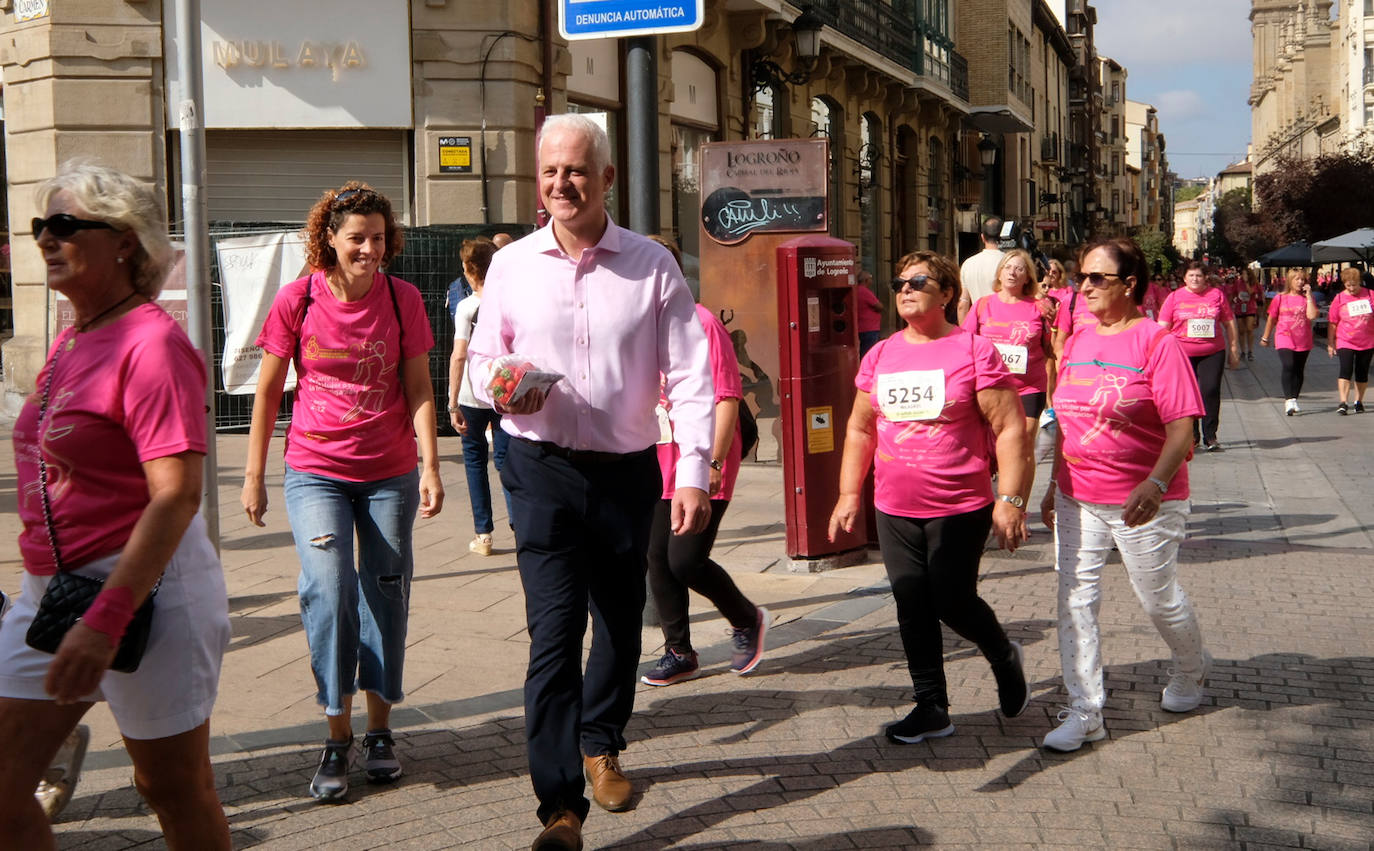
(818,353)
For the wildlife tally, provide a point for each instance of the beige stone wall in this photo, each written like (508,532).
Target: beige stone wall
(84,82)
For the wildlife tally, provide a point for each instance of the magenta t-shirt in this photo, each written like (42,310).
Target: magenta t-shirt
(933,443)
(350,420)
(725,377)
(1353,319)
(1018,330)
(1196,320)
(1292,328)
(123,394)
(1069,322)
(1154,299)
(1114,395)
(869,308)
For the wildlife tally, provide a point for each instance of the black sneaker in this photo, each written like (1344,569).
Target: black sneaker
(749,642)
(926,721)
(1012,690)
(379,757)
(1342,409)
(331,778)
(674,667)
(1359,407)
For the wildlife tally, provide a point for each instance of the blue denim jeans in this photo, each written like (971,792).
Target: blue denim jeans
(475,462)
(355,619)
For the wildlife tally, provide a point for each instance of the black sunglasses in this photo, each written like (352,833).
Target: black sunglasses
(64,225)
(349,194)
(917,282)
(1098,280)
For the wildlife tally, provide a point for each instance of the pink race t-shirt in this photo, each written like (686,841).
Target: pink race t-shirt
(1019,333)
(1196,319)
(350,420)
(1061,295)
(1245,297)
(933,443)
(1292,328)
(870,310)
(1353,319)
(1154,299)
(1114,395)
(725,377)
(1074,315)
(124,394)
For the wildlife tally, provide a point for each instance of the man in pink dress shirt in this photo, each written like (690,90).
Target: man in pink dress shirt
(609,310)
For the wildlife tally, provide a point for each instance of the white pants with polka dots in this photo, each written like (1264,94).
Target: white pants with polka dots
(1084,534)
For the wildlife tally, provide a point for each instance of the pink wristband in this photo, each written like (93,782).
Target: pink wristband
(110,613)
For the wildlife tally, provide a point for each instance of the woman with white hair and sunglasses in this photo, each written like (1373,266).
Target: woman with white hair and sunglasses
(108,454)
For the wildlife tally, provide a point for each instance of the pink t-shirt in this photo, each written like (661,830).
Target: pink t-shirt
(1354,326)
(350,420)
(869,308)
(933,443)
(1196,320)
(725,377)
(1114,395)
(123,394)
(1071,321)
(1245,297)
(1292,328)
(1154,299)
(1062,295)
(1019,332)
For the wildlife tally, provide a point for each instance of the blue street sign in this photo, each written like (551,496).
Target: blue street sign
(615,18)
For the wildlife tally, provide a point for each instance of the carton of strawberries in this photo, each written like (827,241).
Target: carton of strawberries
(514,376)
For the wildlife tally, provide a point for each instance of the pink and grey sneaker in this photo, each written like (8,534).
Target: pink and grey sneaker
(674,667)
(748,642)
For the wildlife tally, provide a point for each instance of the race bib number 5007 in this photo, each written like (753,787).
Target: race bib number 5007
(917,394)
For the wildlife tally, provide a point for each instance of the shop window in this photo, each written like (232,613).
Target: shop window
(610,121)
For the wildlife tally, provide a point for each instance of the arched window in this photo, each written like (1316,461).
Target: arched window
(696,120)
(935,180)
(870,155)
(828,121)
(766,121)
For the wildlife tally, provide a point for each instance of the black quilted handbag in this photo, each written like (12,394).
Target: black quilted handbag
(68,595)
(67,598)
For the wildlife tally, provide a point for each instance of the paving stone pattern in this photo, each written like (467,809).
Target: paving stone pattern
(1280,754)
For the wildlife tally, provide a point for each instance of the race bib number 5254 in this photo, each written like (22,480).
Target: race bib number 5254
(917,394)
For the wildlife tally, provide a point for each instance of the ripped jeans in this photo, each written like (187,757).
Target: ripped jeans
(355,620)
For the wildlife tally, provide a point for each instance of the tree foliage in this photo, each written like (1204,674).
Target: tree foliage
(1319,198)
(1239,234)
(1188,192)
(1160,254)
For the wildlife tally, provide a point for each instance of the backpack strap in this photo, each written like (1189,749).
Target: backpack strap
(305,308)
(400,329)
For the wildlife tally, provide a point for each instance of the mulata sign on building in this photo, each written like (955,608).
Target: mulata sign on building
(764,186)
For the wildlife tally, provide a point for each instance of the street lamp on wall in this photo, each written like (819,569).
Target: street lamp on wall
(806,31)
(987,152)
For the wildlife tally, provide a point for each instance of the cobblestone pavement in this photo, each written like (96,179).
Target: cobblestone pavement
(1280,754)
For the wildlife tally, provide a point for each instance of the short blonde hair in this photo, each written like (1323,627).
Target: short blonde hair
(126,204)
(1033,285)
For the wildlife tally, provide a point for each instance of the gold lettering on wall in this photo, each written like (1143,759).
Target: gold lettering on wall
(335,56)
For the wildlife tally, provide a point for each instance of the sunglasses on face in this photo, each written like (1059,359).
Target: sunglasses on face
(917,282)
(1098,280)
(65,225)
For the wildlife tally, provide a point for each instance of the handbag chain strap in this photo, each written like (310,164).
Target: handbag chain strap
(43,465)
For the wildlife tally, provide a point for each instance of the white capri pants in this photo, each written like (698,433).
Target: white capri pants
(174,688)
(1084,534)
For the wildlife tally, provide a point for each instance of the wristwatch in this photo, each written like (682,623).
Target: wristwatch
(717,464)
(1159,483)
(1015,500)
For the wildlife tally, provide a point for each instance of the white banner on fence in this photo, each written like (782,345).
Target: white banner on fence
(251,270)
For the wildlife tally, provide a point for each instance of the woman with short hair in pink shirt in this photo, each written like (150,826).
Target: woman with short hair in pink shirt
(1290,328)
(1014,318)
(1200,318)
(1126,401)
(932,400)
(360,341)
(1351,337)
(109,456)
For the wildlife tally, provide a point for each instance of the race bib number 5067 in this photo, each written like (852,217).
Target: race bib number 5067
(917,394)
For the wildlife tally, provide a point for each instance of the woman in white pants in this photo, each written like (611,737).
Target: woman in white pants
(1126,403)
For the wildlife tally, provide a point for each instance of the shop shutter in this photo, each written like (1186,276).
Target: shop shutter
(277,175)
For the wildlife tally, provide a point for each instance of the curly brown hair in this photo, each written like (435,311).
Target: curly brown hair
(329,213)
(945,272)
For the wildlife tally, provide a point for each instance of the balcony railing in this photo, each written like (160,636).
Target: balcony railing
(1049,148)
(890,28)
(1369,75)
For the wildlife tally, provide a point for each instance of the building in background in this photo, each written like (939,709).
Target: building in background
(1295,94)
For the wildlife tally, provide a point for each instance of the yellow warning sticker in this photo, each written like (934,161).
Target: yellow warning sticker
(820,430)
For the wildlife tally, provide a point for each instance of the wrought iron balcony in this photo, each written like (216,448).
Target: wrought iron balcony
(891,28)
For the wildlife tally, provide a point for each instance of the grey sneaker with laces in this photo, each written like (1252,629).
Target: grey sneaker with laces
(1183,693)
(331,778)
(379,757)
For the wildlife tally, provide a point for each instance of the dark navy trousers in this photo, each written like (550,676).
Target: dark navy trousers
(582,524)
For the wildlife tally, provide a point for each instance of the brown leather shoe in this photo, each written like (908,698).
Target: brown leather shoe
(611,789)
(563,832)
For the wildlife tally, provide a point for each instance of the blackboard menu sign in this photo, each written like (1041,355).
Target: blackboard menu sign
(764,186)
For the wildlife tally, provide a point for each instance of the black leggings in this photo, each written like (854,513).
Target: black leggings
(1355,362)
(680,562)
(1294,363)
(932,564)
(1209,369)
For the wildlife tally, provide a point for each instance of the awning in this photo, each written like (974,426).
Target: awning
(997,119)
(1293,254)
(1355,246)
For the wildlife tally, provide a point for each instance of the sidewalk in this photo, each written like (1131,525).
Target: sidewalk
(1280,755)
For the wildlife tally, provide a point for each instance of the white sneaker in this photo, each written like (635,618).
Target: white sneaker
(1296,408)
(480,545)
(1183,693)
(1075,728)
(1290,406)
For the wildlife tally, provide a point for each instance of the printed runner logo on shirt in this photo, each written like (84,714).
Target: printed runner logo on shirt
(917,394)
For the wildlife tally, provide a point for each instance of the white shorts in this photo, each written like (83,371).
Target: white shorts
(174,688)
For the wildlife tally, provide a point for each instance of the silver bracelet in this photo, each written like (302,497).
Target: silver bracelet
(1161,484)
